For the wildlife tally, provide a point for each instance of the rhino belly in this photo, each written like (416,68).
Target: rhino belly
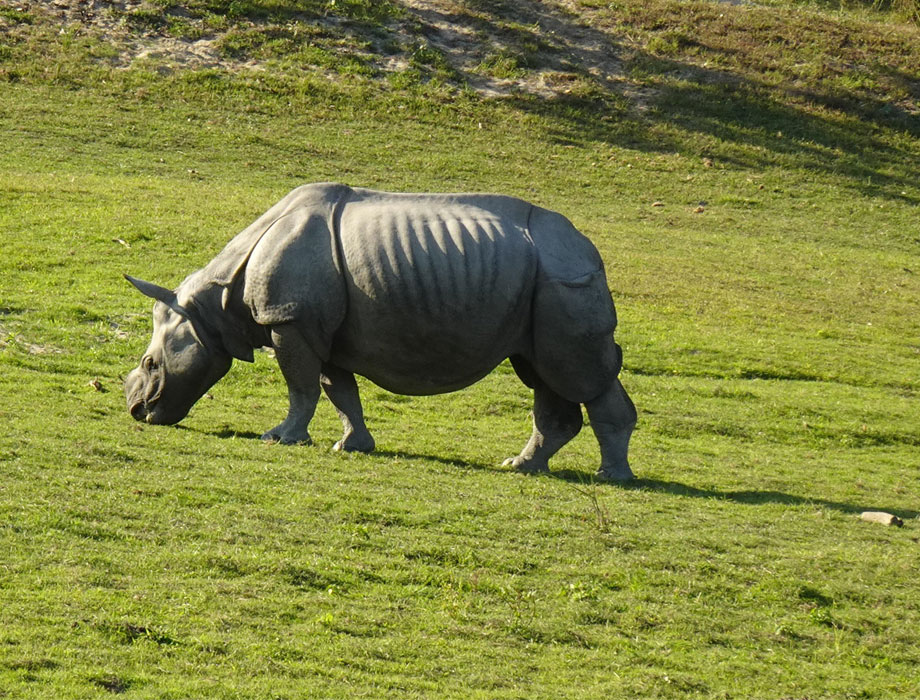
(438,292)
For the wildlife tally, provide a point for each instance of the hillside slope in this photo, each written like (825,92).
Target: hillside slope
(508,47)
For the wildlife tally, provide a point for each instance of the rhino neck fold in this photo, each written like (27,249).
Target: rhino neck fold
(228,321)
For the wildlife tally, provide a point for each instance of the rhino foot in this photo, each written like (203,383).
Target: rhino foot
(620,474)
(287,436)
(355,443)
(526,465)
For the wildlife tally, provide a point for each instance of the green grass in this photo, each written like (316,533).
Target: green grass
(754,195)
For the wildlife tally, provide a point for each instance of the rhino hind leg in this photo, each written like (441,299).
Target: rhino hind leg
(574,352)
(613,417)
(342,390)
(555,422)
(301,370)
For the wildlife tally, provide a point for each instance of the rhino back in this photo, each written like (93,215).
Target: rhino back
(229,262)
(439,287)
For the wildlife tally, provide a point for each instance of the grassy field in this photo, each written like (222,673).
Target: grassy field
(751,176)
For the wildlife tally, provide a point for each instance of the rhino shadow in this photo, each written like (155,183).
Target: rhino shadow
(447,461)
(745,497)
(230,434)
(751,497)
(757,498)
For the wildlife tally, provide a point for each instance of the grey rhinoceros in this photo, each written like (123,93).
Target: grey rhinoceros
(420,293)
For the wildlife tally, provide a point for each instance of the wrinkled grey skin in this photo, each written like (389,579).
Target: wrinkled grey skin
(420,293)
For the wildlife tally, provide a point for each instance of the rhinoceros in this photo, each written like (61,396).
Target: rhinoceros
(419,293)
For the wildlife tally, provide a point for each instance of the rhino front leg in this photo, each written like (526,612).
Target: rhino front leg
(301,369)
(342,390)
(555,422)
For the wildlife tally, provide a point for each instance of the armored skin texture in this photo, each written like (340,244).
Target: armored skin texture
(420,293)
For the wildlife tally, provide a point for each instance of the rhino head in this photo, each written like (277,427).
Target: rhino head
(184,359)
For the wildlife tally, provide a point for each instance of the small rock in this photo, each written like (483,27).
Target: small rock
(97,385)
(871,516)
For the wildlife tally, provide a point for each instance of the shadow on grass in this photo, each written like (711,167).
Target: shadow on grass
(674,488)
(751,497)
(230,433)
(447,461)
(226,433)
(749,128)
(756,498)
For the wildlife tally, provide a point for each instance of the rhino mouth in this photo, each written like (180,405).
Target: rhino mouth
(142,413)
(146,413)
(142,393)
(139,411)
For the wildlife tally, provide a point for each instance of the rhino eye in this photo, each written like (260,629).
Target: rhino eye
(148,363)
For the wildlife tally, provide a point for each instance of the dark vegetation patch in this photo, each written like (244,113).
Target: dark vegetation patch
(129,633)
(112,683)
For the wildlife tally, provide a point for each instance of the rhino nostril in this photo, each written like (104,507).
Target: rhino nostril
(139,411)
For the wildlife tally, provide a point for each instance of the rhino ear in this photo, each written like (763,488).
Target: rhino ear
(154,291)
(168,297)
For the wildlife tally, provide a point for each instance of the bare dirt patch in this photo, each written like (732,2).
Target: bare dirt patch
(539,48)
(107,19)
(550,46)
